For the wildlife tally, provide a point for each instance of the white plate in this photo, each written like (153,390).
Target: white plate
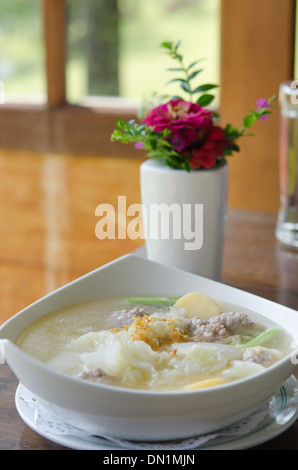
(282,413)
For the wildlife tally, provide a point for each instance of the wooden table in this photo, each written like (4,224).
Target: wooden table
(47,239)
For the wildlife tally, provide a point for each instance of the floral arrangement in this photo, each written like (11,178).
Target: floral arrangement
(183,132)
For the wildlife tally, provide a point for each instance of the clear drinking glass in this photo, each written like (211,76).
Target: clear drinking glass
(287,221)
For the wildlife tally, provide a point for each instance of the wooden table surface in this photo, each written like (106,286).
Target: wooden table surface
(47,239)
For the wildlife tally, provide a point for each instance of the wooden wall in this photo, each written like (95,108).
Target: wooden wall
(257,54)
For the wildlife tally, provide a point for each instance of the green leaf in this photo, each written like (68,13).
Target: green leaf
(185,86)
(194,63)
(234,147)
(141,127)
(167,45)
(153,144)
(207,87)
(178,45)
(178,69)
(256,114)
(176,80)
(232,132)
(176,97)
(177,56)
(230,129)
(249,120)
(205,99)
(120,121)
(194,74)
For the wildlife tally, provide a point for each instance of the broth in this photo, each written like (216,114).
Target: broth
(152,347)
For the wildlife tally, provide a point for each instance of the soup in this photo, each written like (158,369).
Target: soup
(154,344)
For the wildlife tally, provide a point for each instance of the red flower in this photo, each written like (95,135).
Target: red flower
(212,148)
(187,122)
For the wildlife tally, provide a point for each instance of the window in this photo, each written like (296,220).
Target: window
(113,46)
(83,57)
(22,51)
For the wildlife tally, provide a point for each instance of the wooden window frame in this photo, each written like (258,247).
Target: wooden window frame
(252,33)
(58,126)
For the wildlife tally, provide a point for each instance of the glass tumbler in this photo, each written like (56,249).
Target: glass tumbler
(287,220)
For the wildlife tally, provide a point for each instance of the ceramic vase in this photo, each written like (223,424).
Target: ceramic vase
(184,216)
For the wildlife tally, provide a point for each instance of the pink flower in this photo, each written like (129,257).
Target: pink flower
(186,121)
(139,145)
(212,148)
(263,103)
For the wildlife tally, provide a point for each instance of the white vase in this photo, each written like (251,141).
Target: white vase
(184,215)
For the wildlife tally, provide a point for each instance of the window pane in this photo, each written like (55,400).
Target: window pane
(22,73)
(113,46)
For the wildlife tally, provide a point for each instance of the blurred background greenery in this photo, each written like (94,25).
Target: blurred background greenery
(112,45)
(21,48)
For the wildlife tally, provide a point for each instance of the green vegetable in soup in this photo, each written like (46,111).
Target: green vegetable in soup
(263,337)
(152,300)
